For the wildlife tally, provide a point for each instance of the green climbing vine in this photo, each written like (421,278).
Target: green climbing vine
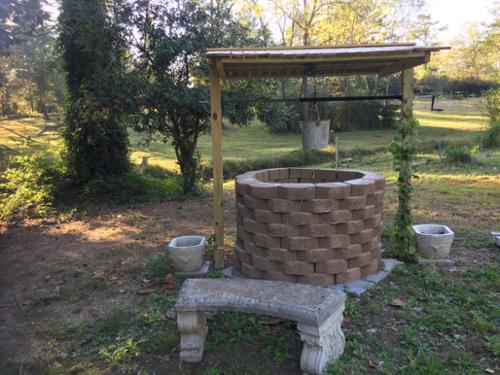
(403,149)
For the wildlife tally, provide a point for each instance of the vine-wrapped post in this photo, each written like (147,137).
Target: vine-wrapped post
(404,149)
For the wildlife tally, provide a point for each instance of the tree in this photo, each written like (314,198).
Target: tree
(92,41)
(171,72)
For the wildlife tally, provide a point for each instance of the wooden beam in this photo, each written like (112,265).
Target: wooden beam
(367,57)
(218,200)
(404,64)
(407,82)
(220,70)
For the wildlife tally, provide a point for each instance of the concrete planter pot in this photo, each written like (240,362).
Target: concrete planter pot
(434,240)
(187,253)
(315,134)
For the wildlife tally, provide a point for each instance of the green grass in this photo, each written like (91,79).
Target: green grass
(458,125)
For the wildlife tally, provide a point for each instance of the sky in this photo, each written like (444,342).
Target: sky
(456,13)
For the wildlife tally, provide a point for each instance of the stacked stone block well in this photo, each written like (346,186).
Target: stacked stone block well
(313,226)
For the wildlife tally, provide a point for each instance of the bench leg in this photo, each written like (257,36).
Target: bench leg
(192,327)
(322,344)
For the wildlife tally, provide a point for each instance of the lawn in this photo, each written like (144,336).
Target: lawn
(89,294)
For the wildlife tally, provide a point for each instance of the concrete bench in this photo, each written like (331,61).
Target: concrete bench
(317,311)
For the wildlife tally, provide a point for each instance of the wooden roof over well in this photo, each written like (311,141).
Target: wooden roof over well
(383,59)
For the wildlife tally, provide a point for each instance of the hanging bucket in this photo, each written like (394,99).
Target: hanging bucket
(315,134)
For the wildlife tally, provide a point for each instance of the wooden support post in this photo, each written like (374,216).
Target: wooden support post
(218,200)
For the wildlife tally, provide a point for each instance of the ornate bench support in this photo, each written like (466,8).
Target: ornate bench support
(322,344)
(193,330)
(317,311)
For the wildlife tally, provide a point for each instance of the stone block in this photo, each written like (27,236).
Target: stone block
(263,240)
(251,248)
(301,173)
(300,191)
(331,266)
(353,203)
(315,255)
(361,186)
(250,225)
(316,279)
(281,276)
(370,268)
(338,241)
(298,268)
(316,230)
(264,264)
(244,211)
(279,205)
(251,272)
(324,175)
(264,190)
(278,230)
(298,218)
(341,216)
(266,216)
(333,190)
(364,236)
(300,243)
(352,251)
(281,255)
(355,226)
(352,274)
(317,205)
(362,260)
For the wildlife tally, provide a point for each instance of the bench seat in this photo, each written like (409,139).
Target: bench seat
(317,311)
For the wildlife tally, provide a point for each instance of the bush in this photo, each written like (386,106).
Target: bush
(362,115)
(279,117)
(459,154)
(29,186)
(132,187)
(491,104)
(157,267)
(491,137)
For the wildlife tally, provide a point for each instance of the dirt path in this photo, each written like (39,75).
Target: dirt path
(76,271)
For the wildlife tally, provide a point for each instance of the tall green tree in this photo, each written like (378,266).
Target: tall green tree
(171,71)
(92,42)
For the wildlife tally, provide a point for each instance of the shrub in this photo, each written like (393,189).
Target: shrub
(491,137)
(362,115)
(279,117)
(491,104)
(29,186)
(157,267)
(132,187)
(458,154)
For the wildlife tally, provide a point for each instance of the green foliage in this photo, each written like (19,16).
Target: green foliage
(131,187)
(491,103)
(362,115)
(93,55)
(403,149)
(120,353)
(157,267)
(171,76)
(28,187)
(278,117)
(459,154)
(491,136)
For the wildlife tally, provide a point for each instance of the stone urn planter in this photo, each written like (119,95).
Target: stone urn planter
(434,241)
(187,253)
(315,134)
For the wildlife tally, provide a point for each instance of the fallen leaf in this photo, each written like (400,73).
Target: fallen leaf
(171,314)
(397,302)
(489,371)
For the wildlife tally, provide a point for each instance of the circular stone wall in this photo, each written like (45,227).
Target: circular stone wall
(313,226)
